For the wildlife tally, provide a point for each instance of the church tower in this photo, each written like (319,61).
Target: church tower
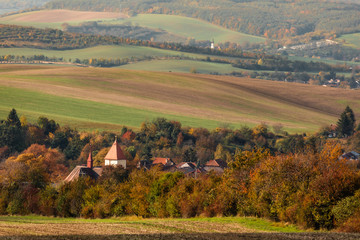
(115,156)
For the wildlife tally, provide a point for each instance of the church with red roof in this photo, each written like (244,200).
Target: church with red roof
(115,156)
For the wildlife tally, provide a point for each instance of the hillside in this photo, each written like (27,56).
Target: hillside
(274,19)
(54,18)
(7,6)
(158,27)
(90,98)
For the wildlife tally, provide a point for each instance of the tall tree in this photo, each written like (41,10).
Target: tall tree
(13,119)
(11,133)
(346,123)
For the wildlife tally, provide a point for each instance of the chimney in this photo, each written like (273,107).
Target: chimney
(90,160)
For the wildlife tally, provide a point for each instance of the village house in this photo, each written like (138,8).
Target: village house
(216,165)
(350,156)
(165,163)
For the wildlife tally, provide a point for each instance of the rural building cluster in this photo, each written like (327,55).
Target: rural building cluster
(115,157)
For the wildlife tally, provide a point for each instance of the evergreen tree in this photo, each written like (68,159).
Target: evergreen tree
(11,133)
(346,123)
(13,119)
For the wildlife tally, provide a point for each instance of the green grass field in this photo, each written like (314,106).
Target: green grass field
(97,98)
(189,27)
(182,66)
(125,51)
(83,114)
(351,40)
(327,61)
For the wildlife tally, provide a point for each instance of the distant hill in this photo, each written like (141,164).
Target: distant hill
(16,5)
(273,19)
(154,27)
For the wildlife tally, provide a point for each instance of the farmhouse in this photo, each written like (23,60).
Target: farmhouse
(115,157)
(216,165)
(350,156)
(165,163)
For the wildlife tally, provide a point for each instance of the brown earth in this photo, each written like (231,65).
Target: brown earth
(62,15)
(151,230)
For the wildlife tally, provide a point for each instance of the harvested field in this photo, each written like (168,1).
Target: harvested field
(33,227)
(62,15)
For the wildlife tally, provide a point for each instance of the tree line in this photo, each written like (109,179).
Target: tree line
(262,18)
(272,174)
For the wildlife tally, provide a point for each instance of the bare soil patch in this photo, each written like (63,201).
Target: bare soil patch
(61,15)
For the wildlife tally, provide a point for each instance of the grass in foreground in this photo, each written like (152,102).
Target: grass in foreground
(215,225)
(131,227)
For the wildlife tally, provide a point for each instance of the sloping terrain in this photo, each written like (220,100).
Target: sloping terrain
(274,19)
(96,98)
(179,28)
(54,18)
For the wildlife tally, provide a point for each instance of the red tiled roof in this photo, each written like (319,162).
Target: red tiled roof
(163,161)
(216,163)
(186,165)
(115,152)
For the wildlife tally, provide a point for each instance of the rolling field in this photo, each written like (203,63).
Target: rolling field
(189,27)
(351,40)
(181,66)
(92,98)
(177,25)
(37,227)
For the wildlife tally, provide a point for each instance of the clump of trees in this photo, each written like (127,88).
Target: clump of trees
(292,178)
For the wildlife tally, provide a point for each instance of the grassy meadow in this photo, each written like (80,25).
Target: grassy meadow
(96,98)
(351,40)
(189,28)
(124,51)
(324,60)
